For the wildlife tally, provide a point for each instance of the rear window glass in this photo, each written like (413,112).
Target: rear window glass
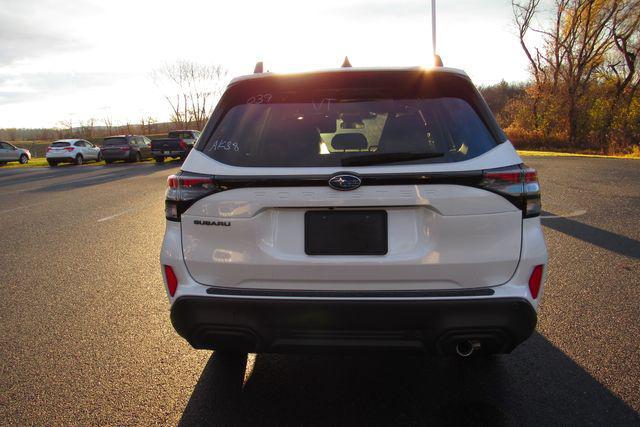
(115,141)
(181,135)
(60,144)
(338,128)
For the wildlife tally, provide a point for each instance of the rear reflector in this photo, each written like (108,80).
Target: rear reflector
(69,148)
(172,281)
(535,280)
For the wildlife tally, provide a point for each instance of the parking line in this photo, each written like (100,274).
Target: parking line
(21,207)
(107,218)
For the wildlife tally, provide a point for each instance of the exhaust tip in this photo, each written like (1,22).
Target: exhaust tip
(467,347)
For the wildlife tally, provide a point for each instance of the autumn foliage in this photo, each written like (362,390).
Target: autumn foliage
(585,79)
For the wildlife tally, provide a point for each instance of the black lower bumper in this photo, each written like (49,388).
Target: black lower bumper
(280,325)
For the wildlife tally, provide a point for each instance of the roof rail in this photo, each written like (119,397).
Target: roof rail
(259,68)
(346,63)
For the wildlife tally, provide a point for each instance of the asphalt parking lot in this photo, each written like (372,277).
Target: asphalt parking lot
(85,336)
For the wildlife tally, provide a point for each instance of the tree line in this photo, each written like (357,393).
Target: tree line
(584,87)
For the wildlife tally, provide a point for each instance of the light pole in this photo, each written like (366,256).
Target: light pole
(437,61)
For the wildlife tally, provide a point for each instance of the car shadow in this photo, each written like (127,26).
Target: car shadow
(77,173)
(109,173)
(537,384)
(597,236)
(29,175)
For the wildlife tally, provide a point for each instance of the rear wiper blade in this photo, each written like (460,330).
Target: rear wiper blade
(380,158)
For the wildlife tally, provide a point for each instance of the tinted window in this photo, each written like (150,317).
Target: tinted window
(115,141)
(5,146)
(80,144)
(326,119)
(60,144)
(304,134)
(181,135)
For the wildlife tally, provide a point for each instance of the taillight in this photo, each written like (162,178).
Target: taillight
(48,149)
(125,148)
(185,189)
(69,149)
(172,280)
(535,281)
(517,183)
(182,144)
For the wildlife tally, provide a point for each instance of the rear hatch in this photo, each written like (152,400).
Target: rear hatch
(360,181)
(59,148)
(115,145)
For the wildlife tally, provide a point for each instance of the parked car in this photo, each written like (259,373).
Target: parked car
(11,153)
(178,144)
(354,208)
(128,148)
(75,151)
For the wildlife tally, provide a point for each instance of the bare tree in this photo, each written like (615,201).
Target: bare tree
(190,90)
(108,123)
(67,127)
(87,128)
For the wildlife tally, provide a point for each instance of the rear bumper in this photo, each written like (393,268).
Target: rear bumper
(60,158)
(123,155)
(286,325)
(168,153)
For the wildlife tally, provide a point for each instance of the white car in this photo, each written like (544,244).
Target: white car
(373,208)
(75,151)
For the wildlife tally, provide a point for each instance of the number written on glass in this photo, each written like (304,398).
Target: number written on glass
(263,98)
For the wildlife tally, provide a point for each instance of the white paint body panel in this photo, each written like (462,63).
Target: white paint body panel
(533,251)
(440,236)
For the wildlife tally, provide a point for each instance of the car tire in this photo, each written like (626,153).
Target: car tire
(52,163)
(24,159)
(138,157)
(159,159)
(78,160)
(99,158)
(3,163)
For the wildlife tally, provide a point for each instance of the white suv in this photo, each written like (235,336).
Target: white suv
(354,208)
(75,151)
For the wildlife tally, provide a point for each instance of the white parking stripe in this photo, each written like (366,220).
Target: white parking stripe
(107,218)
(21,207)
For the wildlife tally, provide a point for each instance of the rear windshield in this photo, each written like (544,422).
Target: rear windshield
(181,135)
(350,127)
(115,141)
(60,144)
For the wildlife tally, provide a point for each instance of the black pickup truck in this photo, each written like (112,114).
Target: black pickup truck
(177,144)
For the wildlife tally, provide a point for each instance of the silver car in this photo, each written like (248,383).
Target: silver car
(11,153)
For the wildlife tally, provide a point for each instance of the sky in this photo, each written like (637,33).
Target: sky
(76,60)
